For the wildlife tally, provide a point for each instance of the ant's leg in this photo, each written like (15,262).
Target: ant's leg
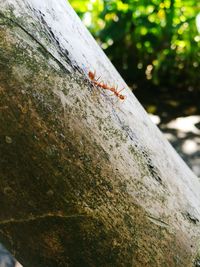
(98,78)
(121,89)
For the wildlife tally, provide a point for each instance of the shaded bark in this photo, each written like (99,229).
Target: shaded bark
(85,180)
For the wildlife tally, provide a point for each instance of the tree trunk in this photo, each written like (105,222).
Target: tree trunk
(86,179)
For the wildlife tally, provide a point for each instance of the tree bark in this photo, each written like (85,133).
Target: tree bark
(85,179)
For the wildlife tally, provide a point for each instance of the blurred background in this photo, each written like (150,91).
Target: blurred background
(155,46)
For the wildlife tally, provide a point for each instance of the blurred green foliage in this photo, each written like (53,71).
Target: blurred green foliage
(151,43)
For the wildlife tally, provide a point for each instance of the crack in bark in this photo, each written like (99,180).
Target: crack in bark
(40,217)
(158,221)
(41,45)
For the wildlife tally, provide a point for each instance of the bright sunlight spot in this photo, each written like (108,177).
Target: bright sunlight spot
(198,22)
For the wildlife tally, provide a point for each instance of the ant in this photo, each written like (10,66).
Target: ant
(105,86)
(92,78)
(117,93)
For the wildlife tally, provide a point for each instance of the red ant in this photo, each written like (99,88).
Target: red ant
(114,90)
(105,86)
(95,81)
(92,78)
(92,75)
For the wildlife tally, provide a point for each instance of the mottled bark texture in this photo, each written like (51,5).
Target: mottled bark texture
(85,180)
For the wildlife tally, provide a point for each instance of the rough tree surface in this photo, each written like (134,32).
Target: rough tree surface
(85,179)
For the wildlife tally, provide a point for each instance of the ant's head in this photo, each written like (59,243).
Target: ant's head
(122,97)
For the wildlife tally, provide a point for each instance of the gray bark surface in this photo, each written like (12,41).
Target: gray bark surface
(85,179)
